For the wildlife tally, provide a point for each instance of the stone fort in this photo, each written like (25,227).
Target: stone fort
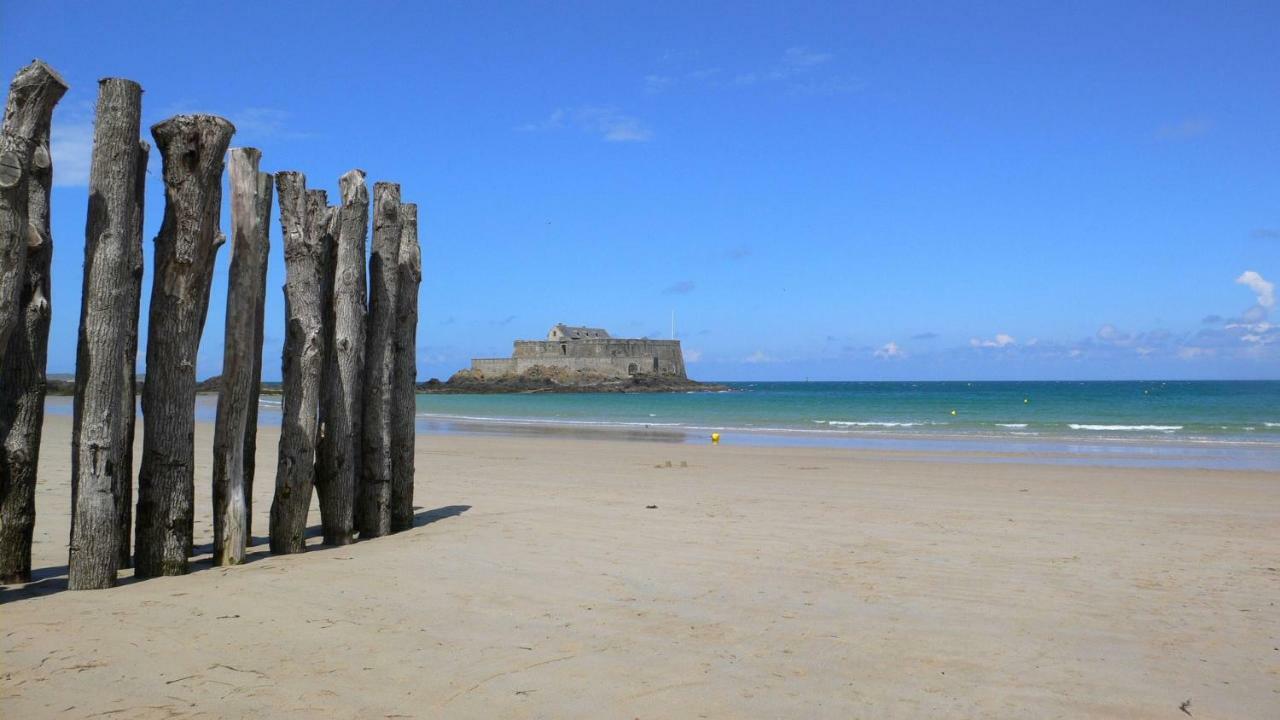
(589,349)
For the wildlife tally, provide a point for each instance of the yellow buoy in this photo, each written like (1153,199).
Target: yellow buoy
(715,438)
(953,412)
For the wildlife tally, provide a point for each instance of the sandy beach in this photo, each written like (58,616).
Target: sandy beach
(766,582)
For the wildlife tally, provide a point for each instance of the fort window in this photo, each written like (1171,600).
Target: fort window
(633,368)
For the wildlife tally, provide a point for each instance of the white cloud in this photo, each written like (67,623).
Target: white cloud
(1265,291)
(890,351)
(72,148)
(758,357)
(692,356)
(1001,340)
(607,122)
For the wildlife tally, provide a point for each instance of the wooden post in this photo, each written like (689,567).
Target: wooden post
(404,407)
(34,91)
(338,461)
(255,356)
(101,435)
(374,512)
(129,398)
(192,147)
(250,214)
(303,363)
(22,379)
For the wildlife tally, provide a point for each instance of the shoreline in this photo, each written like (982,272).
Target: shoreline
(1139,450)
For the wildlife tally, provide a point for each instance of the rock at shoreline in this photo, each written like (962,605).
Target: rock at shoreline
(561,380)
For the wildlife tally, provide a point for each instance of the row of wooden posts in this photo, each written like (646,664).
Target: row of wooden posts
(348,363)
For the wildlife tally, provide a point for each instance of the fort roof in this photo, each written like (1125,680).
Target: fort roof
(576,332)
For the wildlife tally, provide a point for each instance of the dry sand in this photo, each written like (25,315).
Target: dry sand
(768,582)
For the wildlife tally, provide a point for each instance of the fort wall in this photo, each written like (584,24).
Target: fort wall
(612,357)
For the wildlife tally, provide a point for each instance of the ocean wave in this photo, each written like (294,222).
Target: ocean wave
(1271,424)
(1127,428)
(869,423)
(1012,425)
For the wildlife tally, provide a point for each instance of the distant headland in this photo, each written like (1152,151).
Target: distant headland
(577,359)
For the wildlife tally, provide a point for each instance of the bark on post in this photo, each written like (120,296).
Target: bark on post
(302,366)
(404,406)
(374,512)
(34,91)
(102,433)
(322,220)
(251,420)
(193,147)
(129,398)
(22,379)
(250,213)
(338,472)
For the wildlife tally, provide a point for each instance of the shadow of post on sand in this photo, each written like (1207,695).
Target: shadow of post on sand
(53,579)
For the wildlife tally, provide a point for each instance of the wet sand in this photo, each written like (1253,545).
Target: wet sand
(767,582)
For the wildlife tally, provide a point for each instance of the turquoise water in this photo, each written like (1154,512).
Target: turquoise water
(1227,412)
(1148,424)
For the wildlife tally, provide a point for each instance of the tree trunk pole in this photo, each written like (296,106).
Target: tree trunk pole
(250,213)
(338,470)
(101,435)
(404,407)
(34,91)
(22,379)
(251,419)
(303,364)
(374,513)
(192,147)
(129,398)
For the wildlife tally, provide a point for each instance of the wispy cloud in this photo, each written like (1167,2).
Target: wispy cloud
(737,253)
(796,67)
(683,287)
(758,357)
(654,84)
(925,336)
(504,321)
(802,57)
(1183,130)
(1265,234)
(71,145)
(692,356)
(609,123)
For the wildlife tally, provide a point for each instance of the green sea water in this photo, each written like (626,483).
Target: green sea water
(1172,410)
(1238,423)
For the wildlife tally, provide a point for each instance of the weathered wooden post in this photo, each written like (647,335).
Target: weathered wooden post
(102,425)
(404,407)
(374,511)
(303,363)
(192,147)
(22,378)
(129,398)
(34,91)
(338,458)
(246,288)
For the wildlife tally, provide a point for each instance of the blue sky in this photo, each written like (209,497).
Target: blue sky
(843,191)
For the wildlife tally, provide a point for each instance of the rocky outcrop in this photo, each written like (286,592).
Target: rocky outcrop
(540,379)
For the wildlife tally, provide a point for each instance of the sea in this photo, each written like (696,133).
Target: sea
(1209,424)
(1200,424)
